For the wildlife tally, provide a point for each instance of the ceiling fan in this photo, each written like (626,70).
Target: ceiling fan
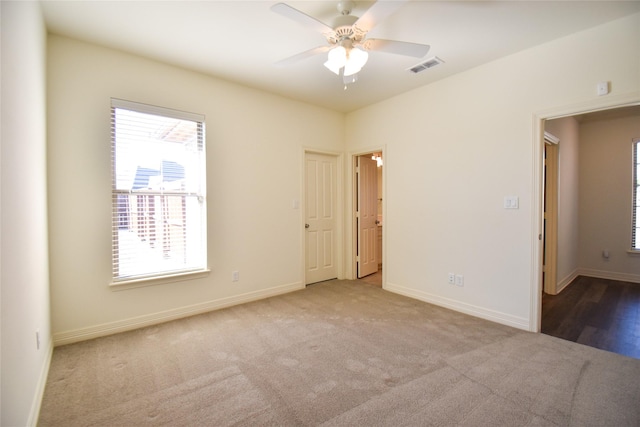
(348,46)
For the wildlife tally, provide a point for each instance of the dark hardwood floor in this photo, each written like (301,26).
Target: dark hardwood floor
(596,312)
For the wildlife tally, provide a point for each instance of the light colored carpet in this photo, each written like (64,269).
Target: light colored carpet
(338,353)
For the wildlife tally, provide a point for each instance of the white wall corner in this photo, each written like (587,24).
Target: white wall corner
(566,281)
(34,413)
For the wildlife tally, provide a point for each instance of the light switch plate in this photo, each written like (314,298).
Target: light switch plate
(511,202)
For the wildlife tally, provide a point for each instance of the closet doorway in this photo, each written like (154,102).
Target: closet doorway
(368,220)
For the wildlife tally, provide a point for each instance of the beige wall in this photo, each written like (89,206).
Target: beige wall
(567,130)
(605,198)
(24,272)
(453,150)
(255,144)
(456,148)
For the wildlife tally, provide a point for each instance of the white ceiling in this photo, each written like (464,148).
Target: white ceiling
(240,40)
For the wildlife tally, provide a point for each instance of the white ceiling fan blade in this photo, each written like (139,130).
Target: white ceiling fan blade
(399,48)
(302,55)
(377,13)
(301,18)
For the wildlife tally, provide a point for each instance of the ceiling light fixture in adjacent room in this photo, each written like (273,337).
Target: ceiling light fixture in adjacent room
(378,158)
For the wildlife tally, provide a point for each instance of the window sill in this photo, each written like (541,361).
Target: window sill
(158,280)
(633,252)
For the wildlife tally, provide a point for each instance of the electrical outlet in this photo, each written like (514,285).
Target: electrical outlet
(37,339)
(459,280)
(235,276)
(452,279)
(602,88)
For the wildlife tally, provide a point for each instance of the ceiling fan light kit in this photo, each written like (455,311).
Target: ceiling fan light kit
(348,46)
(349,61)
(356,59)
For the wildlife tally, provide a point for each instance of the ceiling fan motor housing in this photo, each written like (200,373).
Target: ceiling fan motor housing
(347,40)
(344,29)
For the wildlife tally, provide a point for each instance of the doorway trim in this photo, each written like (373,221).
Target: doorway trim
(537,195)
(340,210)
(550,227)
(353,185)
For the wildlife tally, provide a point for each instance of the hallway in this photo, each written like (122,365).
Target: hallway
(599,313)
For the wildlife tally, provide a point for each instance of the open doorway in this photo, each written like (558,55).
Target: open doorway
(586,163)
(368,220)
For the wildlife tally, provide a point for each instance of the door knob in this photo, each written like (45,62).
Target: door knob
(306,226)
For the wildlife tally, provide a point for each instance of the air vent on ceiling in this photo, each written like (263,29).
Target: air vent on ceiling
(429,63)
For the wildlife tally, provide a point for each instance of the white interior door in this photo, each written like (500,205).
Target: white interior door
(367,216)
(320,213)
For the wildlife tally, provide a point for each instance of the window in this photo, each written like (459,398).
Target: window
(635,215)
(158,192)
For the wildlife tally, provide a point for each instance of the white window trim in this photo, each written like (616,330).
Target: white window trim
(158,280)
(152,109)
(635,156)
(161,278)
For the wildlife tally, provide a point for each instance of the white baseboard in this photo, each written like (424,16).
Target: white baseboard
(611,275)
(110,328)
(566,281)
(598,274)
(483,313)
(34,413)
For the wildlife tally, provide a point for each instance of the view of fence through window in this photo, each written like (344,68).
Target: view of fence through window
(158,194)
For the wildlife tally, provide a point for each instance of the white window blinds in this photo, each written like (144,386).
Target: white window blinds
(635,215)
(158,191)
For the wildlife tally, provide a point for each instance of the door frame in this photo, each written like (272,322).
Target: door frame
(367,225)
(537,194)
(339,246)
(353,247)
(550,231)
